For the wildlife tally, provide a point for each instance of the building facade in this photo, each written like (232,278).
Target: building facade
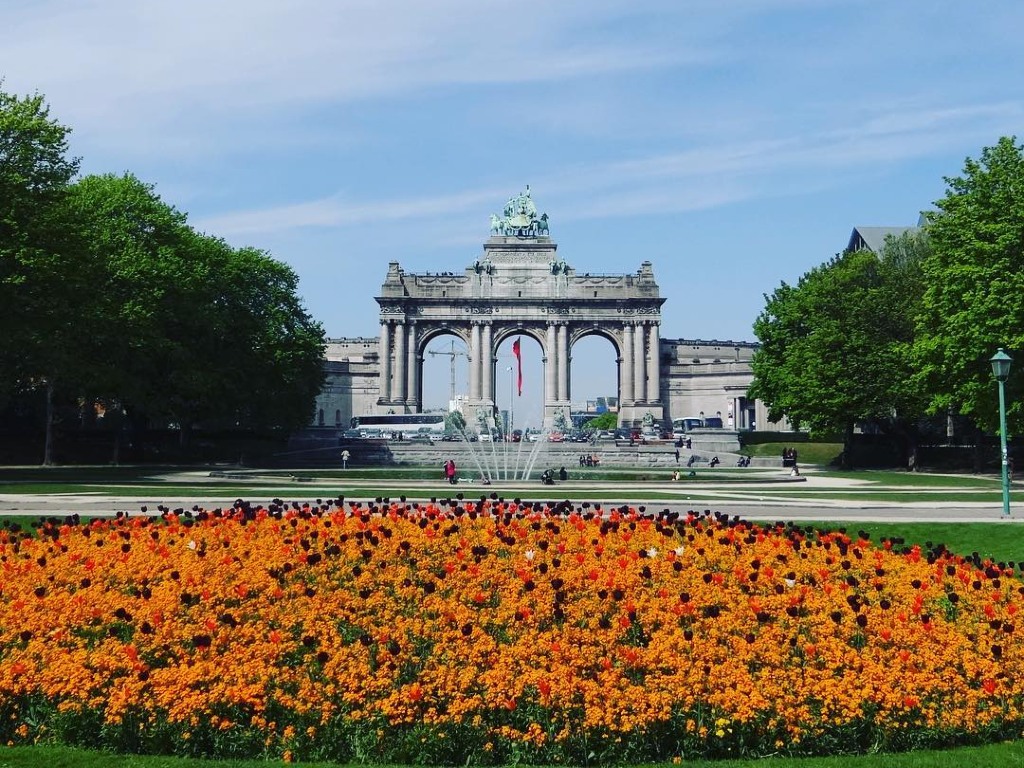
(519,286)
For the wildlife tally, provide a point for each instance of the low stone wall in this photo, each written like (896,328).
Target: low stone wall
(327,453)
(556,455)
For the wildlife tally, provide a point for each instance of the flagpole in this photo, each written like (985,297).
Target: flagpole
(511,401)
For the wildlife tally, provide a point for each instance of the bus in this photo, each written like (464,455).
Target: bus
(682,426)
(408,424)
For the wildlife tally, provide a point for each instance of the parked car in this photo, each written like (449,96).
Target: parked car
(556,437)
(517,435)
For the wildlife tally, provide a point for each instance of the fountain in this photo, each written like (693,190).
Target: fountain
(494,465)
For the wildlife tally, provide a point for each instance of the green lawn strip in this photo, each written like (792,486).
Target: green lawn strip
(85,474)
(916,479)
(419,491)
(305,490)
(998,541)
(903,497)
(1006,755)
(807,453)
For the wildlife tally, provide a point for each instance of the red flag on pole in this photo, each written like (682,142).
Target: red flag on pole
(519,361)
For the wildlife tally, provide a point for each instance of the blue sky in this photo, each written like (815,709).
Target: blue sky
(732,143)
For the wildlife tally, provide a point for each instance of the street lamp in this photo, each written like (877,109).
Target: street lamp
(1001,370)
(511,401)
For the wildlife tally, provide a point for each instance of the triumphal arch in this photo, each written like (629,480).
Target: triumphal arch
(520,287)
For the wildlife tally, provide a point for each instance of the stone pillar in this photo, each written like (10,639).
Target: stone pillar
(412,389)
(654,365)
(550,365)
(398,388)
(474,362)
(626,369)
(487,363)
(563,362)
(385,361)
(639,365)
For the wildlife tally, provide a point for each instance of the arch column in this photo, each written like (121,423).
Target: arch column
(385,361)
(563,362)
(474,361)
(487,362)
(639,365)
(412,370)
(626,366)
(398,388)
(654,364)
(550,365)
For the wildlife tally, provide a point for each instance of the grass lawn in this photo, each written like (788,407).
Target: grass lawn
(1009,755)
(998,541)
(807,453)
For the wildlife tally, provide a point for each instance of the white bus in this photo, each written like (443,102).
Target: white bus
(408,424)
(680,427)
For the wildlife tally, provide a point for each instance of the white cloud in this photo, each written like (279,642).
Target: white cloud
(697,178)
(170,71)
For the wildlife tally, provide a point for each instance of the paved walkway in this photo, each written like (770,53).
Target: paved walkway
(767,500)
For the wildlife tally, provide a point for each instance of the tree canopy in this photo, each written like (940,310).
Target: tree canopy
(835,348)
(887,339)
(974,301)
(107,295)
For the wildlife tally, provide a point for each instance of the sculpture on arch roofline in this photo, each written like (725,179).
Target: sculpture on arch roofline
(520,218)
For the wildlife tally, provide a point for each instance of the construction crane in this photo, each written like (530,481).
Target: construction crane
(452,354)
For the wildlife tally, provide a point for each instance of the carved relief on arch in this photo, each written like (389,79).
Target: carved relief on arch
(427,332)
(612,332)
(503,333)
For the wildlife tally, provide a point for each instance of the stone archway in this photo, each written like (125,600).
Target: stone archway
(520,286)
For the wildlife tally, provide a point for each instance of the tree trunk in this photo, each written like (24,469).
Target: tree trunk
(48,444)
(848,447)
(911,452)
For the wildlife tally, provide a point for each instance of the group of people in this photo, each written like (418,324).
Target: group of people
(590,460)
(450,473)
(789,457)
(548,476)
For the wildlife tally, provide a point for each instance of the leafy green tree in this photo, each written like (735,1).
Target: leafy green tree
(45,284)
(607,420)
(454,423)
(974,300)
(834,348)
(268,349)
(200,332)
(147,284)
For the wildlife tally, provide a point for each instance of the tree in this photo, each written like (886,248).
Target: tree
(834,348)
(607,420)
(200,332)
(268,349)
(974,300)
(147,286)
(454,423)
(44,283)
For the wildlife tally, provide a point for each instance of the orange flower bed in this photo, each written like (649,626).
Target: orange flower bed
(490,631)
